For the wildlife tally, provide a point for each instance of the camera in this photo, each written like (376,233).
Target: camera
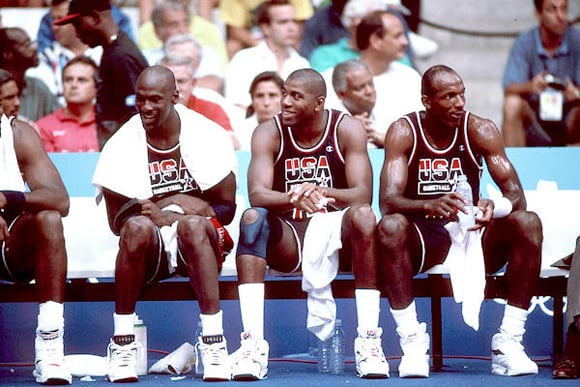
(555,82)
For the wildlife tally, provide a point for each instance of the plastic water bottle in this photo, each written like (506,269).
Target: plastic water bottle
(337,349)
(464,189)
(324,355)
(198,362)
(141,338)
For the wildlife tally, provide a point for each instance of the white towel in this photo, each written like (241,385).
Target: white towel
(319,267)
(10,175)
(467,271)
(205,148)
(169,237)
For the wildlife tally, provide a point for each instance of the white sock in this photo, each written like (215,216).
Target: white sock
(514,321)
(406,319)
(50,316)
(124,324)
(212,324)
(252,309)
(367,308)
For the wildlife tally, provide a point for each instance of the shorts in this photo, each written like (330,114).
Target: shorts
(222,246)
(434,243)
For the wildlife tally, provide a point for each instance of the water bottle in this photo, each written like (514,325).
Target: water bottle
(324,355)
(464,189)
(337,349)
(198,362)
(141,338)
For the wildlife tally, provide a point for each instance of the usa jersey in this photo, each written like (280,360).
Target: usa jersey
(321,164)
(433,172)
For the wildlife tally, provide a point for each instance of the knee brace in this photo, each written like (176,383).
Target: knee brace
(254,236)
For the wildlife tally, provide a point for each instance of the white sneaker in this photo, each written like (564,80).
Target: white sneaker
(251,359)
(508,357)
(214,356)
(369,356)
(122,360)
(49,358)
(415,360)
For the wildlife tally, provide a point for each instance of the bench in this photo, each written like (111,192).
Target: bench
(92,247)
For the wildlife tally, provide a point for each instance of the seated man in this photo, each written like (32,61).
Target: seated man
(541,82)
(427,150)
(73,128)
(32,238)
(308,160)
(168,183)
(353,84)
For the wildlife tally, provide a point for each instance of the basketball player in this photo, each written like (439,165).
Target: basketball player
(428,149)
(307,160)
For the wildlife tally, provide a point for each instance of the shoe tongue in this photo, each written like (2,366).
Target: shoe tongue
(370,333)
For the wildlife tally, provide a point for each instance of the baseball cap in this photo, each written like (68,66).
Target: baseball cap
(78,8)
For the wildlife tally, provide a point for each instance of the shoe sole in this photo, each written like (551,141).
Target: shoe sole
(373,376)
(247,377)
(500,370)
(130,379)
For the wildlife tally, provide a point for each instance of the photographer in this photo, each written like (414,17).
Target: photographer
(541,79)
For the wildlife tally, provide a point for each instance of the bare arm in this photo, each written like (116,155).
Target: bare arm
(47,190)
(265,145)
(352,140)
(488,142)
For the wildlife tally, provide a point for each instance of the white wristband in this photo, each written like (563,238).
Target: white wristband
(502,207)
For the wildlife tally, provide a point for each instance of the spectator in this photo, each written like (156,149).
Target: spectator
(329,55)
(174,226)
(73,128)
(277,21)
(324,27)
(121,63)
(541,82)
(184,72)
(381,40)
(427,150)
(46,35)
(240,29)
(204,31)
(353,83)
(567,367)
(266,93)
(18,54)
(172,18)
(9,97)
(63,48)
(33,200)
(293,202)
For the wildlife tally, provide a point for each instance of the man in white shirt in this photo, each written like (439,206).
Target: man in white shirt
(276,53)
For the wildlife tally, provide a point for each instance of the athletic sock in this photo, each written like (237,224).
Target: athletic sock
(212,324)
(367,308)
(252,308)
(124,324)
(50,316)
(514,321)
(406,319)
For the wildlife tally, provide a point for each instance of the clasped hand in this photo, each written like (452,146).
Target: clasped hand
(309,197)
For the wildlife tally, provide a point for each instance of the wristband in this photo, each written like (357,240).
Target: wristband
(15,201)
(502,207)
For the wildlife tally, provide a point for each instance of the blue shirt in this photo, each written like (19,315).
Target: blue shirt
(529,58)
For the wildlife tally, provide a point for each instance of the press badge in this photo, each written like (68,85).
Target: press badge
(551,103)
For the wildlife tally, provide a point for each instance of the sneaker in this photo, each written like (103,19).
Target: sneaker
(122,359)
(214,356)
(415,360)
(251,359)
(369,356)
(508,357)
(49,364)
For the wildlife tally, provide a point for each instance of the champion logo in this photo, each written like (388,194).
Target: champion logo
(329,148)
(461,148)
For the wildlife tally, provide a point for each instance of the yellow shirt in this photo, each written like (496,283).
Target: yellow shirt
(238,13)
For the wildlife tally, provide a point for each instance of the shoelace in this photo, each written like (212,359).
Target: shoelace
(371,346)
(50,352)
(121,355)
(213,353)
